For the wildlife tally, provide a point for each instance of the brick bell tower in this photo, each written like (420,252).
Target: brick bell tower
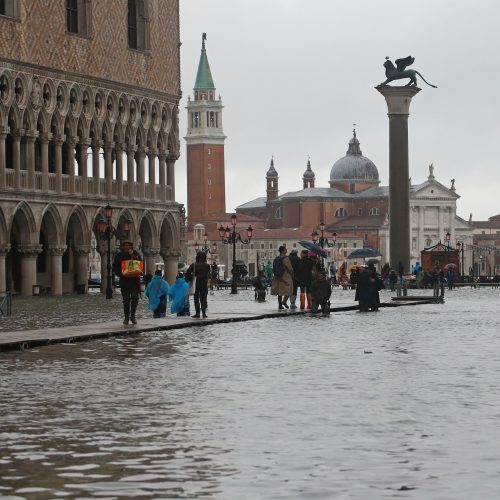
(206,192)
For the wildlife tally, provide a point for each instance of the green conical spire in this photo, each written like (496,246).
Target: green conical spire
(204,75)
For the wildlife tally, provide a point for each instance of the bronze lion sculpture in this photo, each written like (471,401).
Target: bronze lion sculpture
(399,71)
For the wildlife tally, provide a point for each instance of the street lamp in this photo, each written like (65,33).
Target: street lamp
(107,231)
(206,249)
(323,242)
(230,237)
(460,246)
(447,237)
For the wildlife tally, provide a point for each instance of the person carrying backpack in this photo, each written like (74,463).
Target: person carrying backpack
(282,284)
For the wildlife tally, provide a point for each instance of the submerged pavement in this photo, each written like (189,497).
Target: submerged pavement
(47,320)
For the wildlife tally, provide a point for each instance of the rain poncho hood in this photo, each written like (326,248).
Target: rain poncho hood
(156,288)
(178,295)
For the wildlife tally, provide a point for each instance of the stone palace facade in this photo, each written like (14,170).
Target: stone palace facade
(89,93)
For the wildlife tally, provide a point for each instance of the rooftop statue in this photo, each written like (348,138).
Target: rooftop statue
(399,71)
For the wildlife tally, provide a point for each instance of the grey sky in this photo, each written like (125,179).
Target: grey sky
(294,75)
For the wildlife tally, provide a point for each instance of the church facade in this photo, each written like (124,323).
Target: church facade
(89,95)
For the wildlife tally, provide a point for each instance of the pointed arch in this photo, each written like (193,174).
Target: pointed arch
(52,220)
(140,137)
(14,119)
(70,126)
(25,220)
(169,231)
(107,131)
(147,229)
(83,127)
(4,237)
(43,122)
(77,221)
(57,124)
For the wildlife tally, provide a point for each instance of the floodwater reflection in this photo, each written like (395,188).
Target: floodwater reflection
(401,403)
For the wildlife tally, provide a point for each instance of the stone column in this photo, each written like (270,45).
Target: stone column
(171,159)
(140,155)
(3,134)
(421,222)
(84,158)
(44,154)
(29,253)
(4,250)
(152,175)
(70,160)
(108,168)
(58,142)
(96,147)
(170,258)
(30,157)
(150,259)
(398,103)
(16,157)
(56,283)
(440,224)
(162,158)
(130,171)
(119,170)
(82,265)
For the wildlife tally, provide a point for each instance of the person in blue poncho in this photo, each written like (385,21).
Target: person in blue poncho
(179,296)
(157,293)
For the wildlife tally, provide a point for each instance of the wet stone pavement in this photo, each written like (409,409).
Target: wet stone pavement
(403,403)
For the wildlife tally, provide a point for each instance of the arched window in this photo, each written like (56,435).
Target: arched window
(341,212)
(374,211)
(138,25)
(278,214)
(428,242)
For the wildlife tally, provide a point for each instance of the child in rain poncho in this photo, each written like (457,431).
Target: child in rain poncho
(157,293)
(179,296)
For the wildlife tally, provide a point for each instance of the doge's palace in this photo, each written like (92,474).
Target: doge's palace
(89,93)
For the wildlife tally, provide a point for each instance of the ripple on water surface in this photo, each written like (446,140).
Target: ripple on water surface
(401,403)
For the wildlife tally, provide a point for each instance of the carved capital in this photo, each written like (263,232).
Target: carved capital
(16,134)
(4,250)
(162,155)
(59,139)
(170,253)
(120,147)
(96,144)
(142,151)
(131,149)
(45,137)
(57,251)
(108,145)
(4,131)
(71,141)
(30,250)
(152,152)
(173,156)
(82,249)
(151,251)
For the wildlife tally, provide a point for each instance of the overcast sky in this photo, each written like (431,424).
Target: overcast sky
(294,75)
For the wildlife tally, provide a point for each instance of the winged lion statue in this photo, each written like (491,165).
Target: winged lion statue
(399,71)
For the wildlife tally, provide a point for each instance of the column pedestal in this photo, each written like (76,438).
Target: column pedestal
(398,103)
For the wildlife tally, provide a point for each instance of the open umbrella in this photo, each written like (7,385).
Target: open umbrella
(314,248)
(364,253)
(451,265)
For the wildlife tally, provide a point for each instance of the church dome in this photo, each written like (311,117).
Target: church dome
(308,174)
(354,166)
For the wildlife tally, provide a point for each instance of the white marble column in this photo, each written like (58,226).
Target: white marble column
(139,156)
(44,157)
(4,250)
(29,254)
(171,159)
(84,170)
(56,282)
(171,260)
(82,265)
(421,222)
(70,161)
(3,134)
(58,142)
(30,157)
(108,168)
(130,171)
(119,170)
(152,175)
(16,157)
(162,158)
(96,147)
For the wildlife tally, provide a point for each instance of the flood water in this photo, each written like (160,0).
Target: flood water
(403,403)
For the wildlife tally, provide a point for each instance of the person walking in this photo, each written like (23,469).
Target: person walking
(129,284)
(295,260)
(157,293)
(321,291)
(179,296)
(367,289)
(393,279)
(304,279)
(282,284)
(199,271)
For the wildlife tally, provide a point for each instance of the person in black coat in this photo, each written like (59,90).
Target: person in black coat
(294,259)
(201,271)
(367,289)
(304,279)
(128,286)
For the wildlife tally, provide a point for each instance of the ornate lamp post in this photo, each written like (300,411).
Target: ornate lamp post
(230,237)
(460,246)
(107,231)
(323,242)
(206,249)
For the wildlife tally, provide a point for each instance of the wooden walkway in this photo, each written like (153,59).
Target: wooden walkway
(27,339)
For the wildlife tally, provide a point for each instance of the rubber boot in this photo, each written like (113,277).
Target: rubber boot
(133,307)
(293,298)
(285,301)
(280,302)
(309,301)
(126,313)
(302,300)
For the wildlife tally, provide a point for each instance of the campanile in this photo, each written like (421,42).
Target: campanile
(206,192)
